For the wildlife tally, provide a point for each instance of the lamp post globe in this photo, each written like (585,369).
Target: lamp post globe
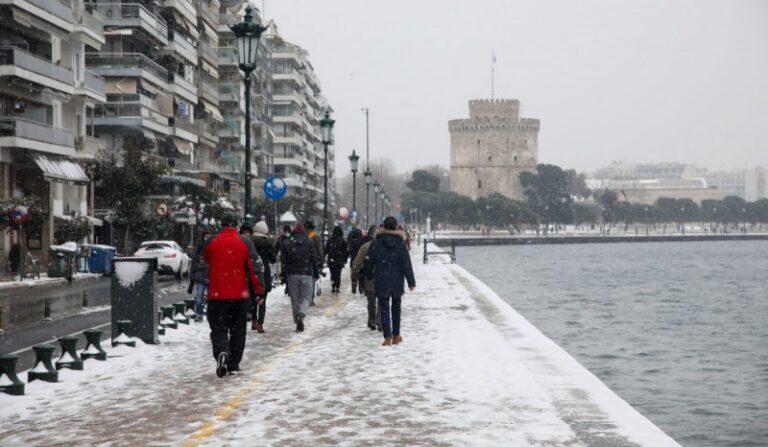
(247,34)
(376,187)
(353,160)
(326,133)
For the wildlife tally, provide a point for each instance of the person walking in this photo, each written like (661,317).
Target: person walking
(299,270)
(367,285)
(318,242)
(354,241)
(246,234)
(266,250)
(198,277)
(337,253)
(232,279)
(278,246)
(389,263)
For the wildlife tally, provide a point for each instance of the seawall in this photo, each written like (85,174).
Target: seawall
(460,241)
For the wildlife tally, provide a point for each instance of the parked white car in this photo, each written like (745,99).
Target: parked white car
(170,257)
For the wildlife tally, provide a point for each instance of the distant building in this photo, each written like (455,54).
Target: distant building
(491,148)
(749,184)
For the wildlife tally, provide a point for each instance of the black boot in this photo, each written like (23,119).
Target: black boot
(300,323)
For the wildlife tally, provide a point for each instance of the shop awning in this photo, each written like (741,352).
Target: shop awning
(61,170)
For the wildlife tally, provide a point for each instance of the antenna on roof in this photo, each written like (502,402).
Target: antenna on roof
(493,73)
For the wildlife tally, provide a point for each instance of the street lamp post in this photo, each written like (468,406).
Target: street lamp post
(353,159)
(326,131)
(247,33)
(368,180)
(376,187)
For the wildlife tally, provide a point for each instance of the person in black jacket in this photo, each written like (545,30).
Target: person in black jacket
(354,242)
(299,270)
(388,263)
(265,247)
(337,253)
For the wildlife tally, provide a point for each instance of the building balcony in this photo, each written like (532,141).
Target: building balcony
(206,129)
(56,12)
(293,77)
(208,12)
(184,7)
(28,66)
(89,148)
(127,65)
(132,15)
(230,162)
(88,24)
(182,87)
(229,91)
(92,86)
(231,128)
(294,119)
(130,112)
(183,128)
(208,89)
(228,56)
(205,51)
(287,98)
(36,136)
(182,47)
(291,140)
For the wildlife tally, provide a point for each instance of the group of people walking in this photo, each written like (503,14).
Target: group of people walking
(234,272)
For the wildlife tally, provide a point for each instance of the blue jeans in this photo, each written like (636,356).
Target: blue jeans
(200,298)
(390,329)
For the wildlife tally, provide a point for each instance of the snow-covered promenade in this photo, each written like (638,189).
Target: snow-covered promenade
(471,372)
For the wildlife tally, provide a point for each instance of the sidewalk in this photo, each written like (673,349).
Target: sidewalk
(471,372)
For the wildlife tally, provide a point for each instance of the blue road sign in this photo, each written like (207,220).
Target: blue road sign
(274,188)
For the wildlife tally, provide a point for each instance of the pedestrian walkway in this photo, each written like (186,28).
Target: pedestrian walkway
(470,371)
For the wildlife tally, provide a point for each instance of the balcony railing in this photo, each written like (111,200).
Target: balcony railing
(58,8)
(227,56)
(229,91)
(181,45)
(33,130)
(10,55)
(93,82)
(125,60)
(181,123)
(89,145)
(206,9)
(87,19)
(204,50)
(132,14)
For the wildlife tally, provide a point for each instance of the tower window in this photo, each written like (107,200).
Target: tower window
(515,158)
(490,158)
(479,184)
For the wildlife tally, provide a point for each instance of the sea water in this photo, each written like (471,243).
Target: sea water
(677,329)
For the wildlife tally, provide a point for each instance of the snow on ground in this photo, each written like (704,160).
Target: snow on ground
(471,371)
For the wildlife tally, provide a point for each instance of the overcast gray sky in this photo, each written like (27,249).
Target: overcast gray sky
(642,81)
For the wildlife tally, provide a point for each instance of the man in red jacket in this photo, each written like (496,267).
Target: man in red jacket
(230,270)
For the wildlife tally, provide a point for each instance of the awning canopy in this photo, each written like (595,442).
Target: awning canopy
(185,147)
(212,109)
(61,170)
(211,32)
(213,71)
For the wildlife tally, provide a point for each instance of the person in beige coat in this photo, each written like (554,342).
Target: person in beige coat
(374,321)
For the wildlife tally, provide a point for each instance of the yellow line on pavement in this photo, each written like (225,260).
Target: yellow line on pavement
(226,411)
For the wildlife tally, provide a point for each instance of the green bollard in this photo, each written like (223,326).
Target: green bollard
(160,328)
(123,334)
(167,321)
(179,316)
(8,367)
(190,312)
(69,358)
(43,369)
(93,346)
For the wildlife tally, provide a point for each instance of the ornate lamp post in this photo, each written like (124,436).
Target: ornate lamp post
(368,180)
(376,187)
(326,132)
(247,34)
(353,159)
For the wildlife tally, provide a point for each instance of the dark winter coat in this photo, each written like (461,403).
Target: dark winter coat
(297,256)
(336,249)
(354,242)
(389,263)
(266,250)
(255,258)
(199,269)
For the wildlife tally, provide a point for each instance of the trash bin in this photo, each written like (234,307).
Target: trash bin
(62,259)
(100,260)
(134,281)
(81,258)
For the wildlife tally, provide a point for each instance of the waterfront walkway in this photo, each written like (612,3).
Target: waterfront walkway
(471,372)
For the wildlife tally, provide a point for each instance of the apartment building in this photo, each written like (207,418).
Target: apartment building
(47,95)
(298,106)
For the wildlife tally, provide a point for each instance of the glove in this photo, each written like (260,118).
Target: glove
(190,288)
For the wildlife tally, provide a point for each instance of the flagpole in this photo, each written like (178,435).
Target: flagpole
(493,74)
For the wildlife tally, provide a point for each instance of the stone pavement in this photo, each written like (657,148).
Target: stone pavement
(470,372)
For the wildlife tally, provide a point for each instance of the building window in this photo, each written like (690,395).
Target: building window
(490,158)
(479,184)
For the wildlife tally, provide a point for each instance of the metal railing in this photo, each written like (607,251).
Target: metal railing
(117,109)
(205,50)
(183,44)
(205,9)
(93,82)
(181,123)
(10,55)
(86,18)
(33,130)
(227,56)
(125,60)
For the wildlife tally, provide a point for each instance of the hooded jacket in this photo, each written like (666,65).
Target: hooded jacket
(265,247)
(336,249)
(389,263)
(354,242)
(297,256)
(230,268)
